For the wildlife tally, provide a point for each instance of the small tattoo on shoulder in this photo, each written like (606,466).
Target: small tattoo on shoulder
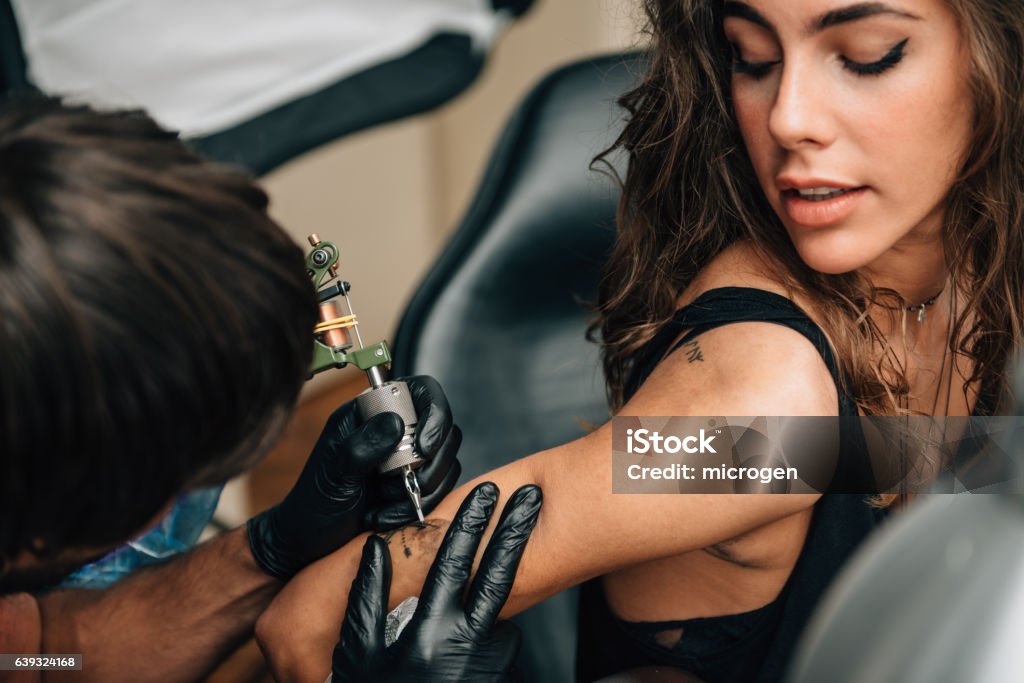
(693,353)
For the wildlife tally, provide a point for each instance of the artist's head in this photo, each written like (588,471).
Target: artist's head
(154,325)
(914,107)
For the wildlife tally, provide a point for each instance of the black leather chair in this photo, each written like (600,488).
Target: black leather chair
(500,318)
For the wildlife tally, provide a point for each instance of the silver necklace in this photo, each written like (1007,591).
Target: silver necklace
(921,308)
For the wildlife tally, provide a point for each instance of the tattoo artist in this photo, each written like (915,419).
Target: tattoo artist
(155,330)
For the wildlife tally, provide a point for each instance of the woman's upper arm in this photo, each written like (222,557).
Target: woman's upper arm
(585,530)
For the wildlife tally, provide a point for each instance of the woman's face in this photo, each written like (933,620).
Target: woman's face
(856,116)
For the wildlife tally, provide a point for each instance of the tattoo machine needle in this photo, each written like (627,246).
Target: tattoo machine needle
(333,348)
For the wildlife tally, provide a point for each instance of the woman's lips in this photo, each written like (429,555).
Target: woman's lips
(821,213)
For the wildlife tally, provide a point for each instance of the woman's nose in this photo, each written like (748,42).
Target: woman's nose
(801,114)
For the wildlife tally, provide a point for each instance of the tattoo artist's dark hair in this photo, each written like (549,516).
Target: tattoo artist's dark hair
(155,324)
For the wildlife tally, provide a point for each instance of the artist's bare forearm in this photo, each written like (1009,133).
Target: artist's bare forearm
(19,633)
(169,623)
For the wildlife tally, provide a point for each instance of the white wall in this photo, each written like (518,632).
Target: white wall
(390,196)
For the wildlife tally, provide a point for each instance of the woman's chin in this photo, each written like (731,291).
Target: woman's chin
(832,261)
(835,252)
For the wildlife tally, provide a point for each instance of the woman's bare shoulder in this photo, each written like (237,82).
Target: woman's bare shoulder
(739,265)
(744,368)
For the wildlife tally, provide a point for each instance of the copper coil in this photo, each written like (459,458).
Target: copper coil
(334,338)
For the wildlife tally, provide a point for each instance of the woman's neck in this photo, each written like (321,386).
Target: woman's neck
(918,272)
(920,275)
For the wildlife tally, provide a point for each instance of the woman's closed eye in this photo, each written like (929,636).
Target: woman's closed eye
(756,69)
(891,59)
(761,68)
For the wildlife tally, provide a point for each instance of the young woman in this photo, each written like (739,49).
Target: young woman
(825,196)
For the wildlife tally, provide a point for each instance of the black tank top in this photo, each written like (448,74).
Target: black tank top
(750,646)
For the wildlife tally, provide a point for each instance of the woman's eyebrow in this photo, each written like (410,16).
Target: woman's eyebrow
(861,10)
(741,10)
(842,15)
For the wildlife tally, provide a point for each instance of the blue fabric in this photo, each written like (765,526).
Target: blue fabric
(177,531)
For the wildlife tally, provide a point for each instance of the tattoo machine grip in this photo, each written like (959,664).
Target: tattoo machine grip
(395,397)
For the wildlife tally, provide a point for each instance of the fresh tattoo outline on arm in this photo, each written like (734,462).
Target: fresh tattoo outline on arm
(416,532)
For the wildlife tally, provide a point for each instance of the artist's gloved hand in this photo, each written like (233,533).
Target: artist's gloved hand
(448,639)
(338,495)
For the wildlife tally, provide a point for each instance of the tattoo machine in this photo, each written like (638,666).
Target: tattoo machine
(333,348)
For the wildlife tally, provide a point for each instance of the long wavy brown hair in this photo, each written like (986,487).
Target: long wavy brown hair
(690,192)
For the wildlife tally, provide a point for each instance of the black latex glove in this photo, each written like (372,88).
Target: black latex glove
(446,640)
(338,495)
